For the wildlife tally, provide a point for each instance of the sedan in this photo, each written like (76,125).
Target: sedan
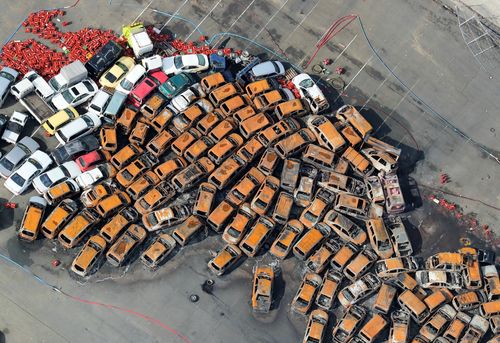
(115,74)
(14,127)
(75,148)
(267,69)
(59,119)
(308,89)
(99,173)
(67,170)
(79,127)
(175,85)
(20,180)
(192,63)
(183,100)
(7,78)
(17,155)
(131,79)
(75,95)
(89,160)
(439,278)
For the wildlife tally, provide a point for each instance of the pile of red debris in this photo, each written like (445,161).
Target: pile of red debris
(31,55)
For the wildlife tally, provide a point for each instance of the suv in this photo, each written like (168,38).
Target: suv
(125,155)
(125,245)
(257,236)
(359,290)
(110,205)
(161,248)
(262,290)
(76,229)
(118,223)
(286,239)
(192,174)
(32,219)
(349,324)
(306,293)
(205,199)
(89,255)
(224,259)
(59,217)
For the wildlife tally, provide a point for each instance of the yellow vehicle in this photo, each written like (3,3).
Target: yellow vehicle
(472,272)
(348,113)
(32,219)
(225,259)
(88,256)
(158,251)
(316,326)
(57,120)
(385,296)
(262,291)
(112,77)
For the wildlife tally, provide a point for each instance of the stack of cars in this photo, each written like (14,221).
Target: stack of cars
(270,168)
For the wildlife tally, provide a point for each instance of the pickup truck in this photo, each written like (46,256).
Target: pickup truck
(34,94)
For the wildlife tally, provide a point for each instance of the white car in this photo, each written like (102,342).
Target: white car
(99,102)
(67,170)
(92,176)
(439,278)
(25,86)
(192,63)
(309,90)
(183,100)
(14,127)
(131,79)
(75,95)
(21,179)
(79,127)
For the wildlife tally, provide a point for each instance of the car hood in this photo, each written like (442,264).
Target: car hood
(10,136)
(168,66)
(59,102)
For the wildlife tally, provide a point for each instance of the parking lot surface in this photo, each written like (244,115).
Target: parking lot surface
(420,43)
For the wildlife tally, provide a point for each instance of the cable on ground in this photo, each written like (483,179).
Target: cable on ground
(43,282)
(460,196)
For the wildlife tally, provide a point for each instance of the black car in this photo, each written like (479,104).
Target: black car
(486,256)
(3,121)
(75,148)
(104,58)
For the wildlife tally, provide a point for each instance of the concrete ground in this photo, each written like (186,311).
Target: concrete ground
(420,42)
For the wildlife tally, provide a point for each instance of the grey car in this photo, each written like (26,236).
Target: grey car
(24,148)
(7,78)
(267,69)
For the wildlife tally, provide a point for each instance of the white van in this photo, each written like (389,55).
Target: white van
(79,127)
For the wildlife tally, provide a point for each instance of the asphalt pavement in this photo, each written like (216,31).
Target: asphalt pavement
(419,42)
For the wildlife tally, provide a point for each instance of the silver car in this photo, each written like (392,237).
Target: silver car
(267,69)
(25,147)
(7,78)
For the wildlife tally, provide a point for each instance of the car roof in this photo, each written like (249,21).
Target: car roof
(268,67)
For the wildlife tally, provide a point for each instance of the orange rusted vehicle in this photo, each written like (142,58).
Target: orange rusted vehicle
(262,290)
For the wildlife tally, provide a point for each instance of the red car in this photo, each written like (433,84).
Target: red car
(89,160)
(146,87)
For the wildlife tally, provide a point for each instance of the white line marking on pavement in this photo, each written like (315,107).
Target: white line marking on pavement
(201,22)
(173,15)
(379,86)
(355,76)
(397,105)
(234,22)
(301,22)
(267,23)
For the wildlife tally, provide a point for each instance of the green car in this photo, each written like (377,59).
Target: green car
(175,85)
